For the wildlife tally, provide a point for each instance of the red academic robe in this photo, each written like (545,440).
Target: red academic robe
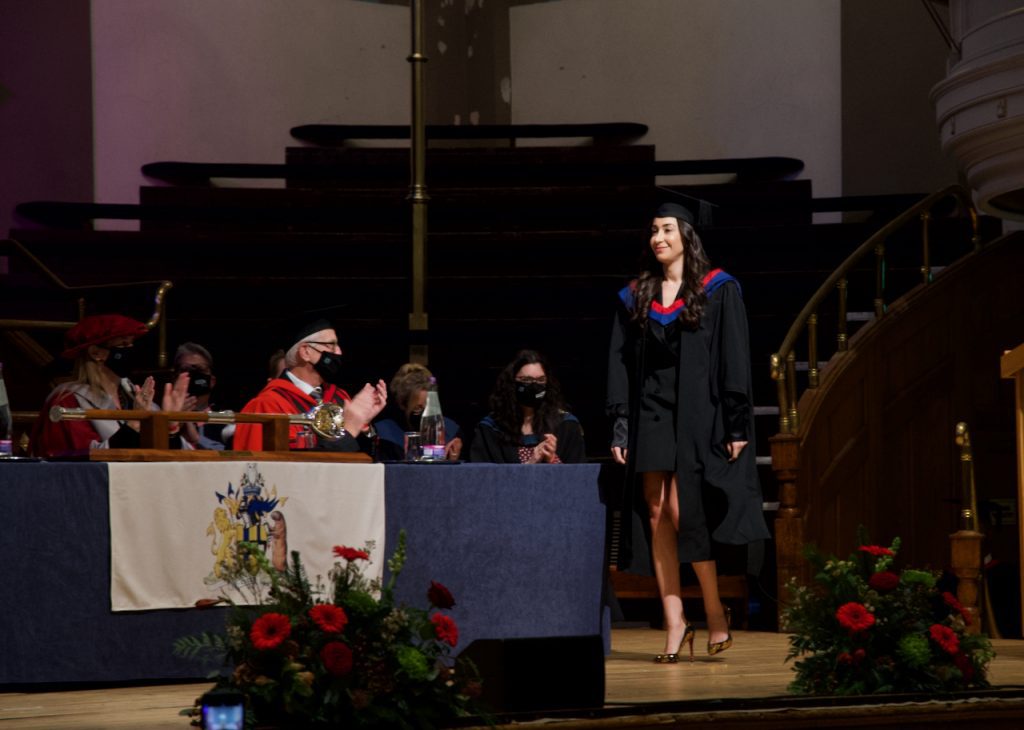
(281,395)
(62,438)
(75,438)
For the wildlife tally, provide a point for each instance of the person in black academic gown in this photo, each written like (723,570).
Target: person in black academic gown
(528,422)
(679,389)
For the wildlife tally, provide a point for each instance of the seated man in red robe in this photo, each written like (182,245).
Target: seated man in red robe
(312,369)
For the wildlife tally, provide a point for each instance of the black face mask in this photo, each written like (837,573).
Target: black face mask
(329,367)
(120,361)
(530,395)
(199,383)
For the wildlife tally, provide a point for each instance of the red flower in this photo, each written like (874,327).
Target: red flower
(208,602)
(350,554)
(858,656)
(884,581)
(876,550)
(269,630)
(445,629)
(337,658)
(953,603)
(328,617)
(845,658)
(945,637)
(855,617)
(439,596)
(966,667)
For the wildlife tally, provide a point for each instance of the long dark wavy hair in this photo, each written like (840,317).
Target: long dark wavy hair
(507,412)
(695,268)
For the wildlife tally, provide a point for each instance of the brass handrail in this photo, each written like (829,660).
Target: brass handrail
(966,545)
(154,426)
(418,198)
(157,319)
(969,498)
(783,362)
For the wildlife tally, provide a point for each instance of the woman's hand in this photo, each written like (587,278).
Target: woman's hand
(143,400)
(144,394)
(734,448)
(619,454)
(546,450)
(452,449)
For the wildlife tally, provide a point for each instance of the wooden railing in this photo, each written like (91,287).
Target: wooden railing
(15,327)
(155,429)
(790,533)
(784,361)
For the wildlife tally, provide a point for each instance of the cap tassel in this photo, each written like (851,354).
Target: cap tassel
(704,214)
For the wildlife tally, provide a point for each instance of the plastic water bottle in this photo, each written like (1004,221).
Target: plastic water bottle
(6,421)
(432,425)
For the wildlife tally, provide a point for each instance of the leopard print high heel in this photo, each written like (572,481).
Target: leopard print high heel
(718,647)
(688,635)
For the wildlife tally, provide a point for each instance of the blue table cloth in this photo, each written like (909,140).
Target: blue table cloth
(522,548)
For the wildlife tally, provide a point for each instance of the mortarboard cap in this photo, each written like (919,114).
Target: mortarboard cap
(302,329)
(674,210)
(703,207)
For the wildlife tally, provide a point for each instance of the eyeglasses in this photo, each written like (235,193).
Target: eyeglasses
(194,371)
(333,345)
(527,380)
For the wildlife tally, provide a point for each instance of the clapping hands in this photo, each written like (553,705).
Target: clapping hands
(546,451)
(144,394)
(365,406)
(176,397)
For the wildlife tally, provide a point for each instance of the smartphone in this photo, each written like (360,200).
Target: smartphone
(223,709)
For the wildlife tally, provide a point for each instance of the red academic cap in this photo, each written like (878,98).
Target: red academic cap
(97,329)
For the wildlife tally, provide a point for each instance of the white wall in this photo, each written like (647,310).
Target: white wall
(224,80)
(711,78)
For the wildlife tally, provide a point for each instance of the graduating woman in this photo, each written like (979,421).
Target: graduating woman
(679,390)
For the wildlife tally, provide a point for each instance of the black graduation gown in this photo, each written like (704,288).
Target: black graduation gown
(714,362)
(491,444)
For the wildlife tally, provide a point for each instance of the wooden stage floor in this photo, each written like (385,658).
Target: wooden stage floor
(744,686)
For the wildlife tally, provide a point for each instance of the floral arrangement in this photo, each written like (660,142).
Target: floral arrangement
(344,656)
(863,627)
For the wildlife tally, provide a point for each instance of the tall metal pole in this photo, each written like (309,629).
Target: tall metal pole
(418,192)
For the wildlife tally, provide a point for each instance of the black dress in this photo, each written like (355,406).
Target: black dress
(655,442)
(688,428)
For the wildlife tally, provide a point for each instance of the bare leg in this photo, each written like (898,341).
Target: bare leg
(663,508)
(707,576)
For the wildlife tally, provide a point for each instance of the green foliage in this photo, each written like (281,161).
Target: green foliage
(201,646)
(863,628)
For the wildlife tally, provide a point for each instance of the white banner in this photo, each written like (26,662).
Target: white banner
(173,524)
